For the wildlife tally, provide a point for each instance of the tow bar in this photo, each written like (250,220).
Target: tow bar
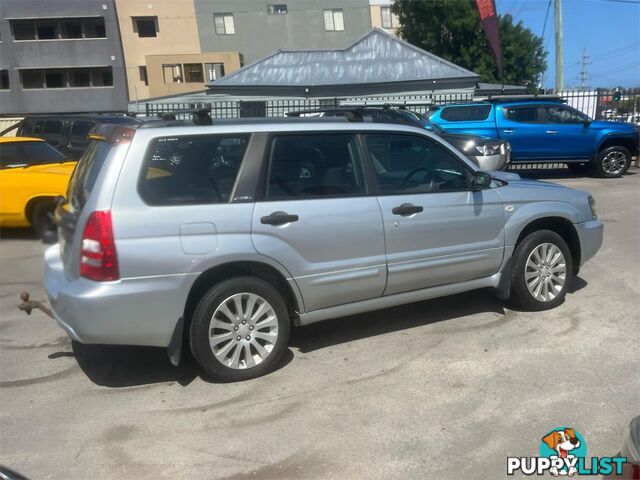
(28,305)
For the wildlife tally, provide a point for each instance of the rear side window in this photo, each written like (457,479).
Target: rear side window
(314,166)
(530,114)
(466,114)
(192,170)
(24,154)
(49,127)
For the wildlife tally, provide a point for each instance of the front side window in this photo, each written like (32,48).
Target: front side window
(333,20)
(224,24)
(314,166)
(192,169)
(145,26)
(23,154)
(408,164)
(562,114)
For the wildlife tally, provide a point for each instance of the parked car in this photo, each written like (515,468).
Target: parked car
(226,235)
(32,174)
(487,153)
(67,133)
(544,129)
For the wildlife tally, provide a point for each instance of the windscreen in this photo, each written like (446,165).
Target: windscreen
(25,154)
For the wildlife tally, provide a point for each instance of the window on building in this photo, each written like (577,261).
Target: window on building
(102,77)
(71,29)
(224,24)
(333,20)
(32,79)
(94,28)
(47,30)
(172,73)
(80,78)
(277,9)
(142,69)
(388,18)
(55,79)
(193,73)
(23,30)
(4,80)
(145,26)
(214,71)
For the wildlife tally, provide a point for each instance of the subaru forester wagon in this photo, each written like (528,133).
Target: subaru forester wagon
(222,237)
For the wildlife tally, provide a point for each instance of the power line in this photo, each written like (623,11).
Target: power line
(546,17)
(633,2)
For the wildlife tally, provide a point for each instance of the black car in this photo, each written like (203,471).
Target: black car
(488,153)
(67,133)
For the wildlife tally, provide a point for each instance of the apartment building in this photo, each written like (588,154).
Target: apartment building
(162,49)
(258,28)
(382,15)
(60,56)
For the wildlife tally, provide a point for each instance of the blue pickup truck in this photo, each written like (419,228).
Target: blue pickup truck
(546,130)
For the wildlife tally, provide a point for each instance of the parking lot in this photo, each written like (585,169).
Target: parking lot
(442,389)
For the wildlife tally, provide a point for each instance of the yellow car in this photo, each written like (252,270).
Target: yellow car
(32,175)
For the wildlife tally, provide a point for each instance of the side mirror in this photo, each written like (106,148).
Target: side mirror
(481,180)
(586,123)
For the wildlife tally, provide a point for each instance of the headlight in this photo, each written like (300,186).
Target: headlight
(491,149)
(592,204)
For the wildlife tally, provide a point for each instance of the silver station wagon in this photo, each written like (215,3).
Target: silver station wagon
(220,238)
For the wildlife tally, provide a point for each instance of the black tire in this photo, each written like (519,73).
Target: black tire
(520,295)
(580,168)
(42,221)
(201,321)
(601,168)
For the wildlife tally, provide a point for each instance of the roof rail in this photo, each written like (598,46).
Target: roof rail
(200,116)
(524,98)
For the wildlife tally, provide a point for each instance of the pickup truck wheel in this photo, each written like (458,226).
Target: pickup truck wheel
(42,221)
(613,162)
(542,271)
(240,329)
(580,168)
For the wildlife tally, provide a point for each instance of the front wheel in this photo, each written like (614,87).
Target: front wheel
(613,162)
(542,272)
(240,329)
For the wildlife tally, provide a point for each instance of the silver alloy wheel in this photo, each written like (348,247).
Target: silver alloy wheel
(545,272)
(243,331)
(614,162)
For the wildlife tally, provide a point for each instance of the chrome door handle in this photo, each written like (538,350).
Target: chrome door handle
(508,130)
(552,132)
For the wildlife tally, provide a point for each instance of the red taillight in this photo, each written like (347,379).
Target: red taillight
(98,259)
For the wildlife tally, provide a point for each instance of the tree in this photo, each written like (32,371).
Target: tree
(452,30)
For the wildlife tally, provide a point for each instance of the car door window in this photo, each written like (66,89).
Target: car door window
(562,114)
(408,164)
(24,154)
(528,114)
(314,166)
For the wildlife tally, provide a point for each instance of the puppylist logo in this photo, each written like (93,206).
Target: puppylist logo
(563,451)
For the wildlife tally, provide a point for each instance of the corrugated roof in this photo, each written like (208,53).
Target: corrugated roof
(378,62)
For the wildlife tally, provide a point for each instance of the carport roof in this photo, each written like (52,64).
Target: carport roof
(377,63)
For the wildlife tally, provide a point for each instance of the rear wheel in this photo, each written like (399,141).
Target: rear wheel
(542,272)
(42,221)
(240,329)
(613,162)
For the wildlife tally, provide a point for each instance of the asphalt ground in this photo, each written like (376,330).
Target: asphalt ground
(442,389)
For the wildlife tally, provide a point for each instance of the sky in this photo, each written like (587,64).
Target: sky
(609,30)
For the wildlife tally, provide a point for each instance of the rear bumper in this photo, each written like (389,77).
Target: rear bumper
(591,234)
(134,311)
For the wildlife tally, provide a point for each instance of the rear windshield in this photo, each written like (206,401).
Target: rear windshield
(86,172)
(191,169)
(466,114)
(25,154)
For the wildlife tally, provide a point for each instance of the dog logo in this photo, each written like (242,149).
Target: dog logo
(565,444)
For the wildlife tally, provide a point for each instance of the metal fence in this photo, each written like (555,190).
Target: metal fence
(599,104)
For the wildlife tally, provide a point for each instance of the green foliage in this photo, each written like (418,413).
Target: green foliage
(452,30)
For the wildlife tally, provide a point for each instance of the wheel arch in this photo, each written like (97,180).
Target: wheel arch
(562,227)
(615,141)
(33,201)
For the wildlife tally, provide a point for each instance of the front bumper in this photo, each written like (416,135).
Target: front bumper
(591,234)
(134,311)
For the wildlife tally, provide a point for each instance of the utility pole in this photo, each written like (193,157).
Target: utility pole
(559,59)
(583,72)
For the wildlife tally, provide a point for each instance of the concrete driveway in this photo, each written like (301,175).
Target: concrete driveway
(443,389)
